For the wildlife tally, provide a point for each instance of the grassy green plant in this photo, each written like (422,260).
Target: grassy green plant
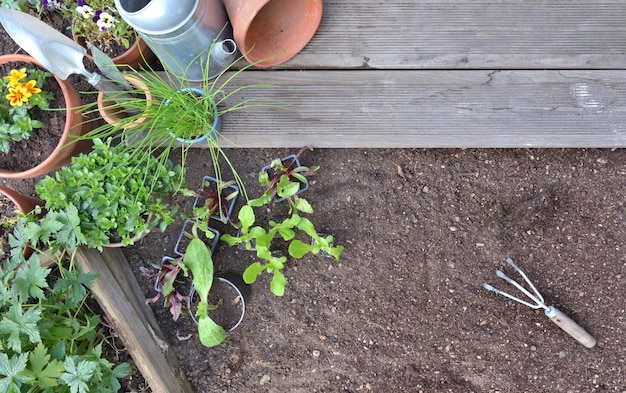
(21,97)
(112,193)
(150,126)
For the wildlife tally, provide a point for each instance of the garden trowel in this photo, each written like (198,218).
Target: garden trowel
(108,68)
(59,54)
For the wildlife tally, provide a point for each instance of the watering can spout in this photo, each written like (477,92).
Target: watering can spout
(223,53)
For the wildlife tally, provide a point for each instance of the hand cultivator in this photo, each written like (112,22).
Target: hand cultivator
(556,316)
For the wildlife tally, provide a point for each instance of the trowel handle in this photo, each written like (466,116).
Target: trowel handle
(571,327)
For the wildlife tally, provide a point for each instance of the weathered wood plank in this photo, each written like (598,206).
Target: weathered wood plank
(118,293)
(468,34)
(407,108)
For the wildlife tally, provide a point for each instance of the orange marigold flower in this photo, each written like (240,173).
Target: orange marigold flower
(15,76)
(30,87)
(18,95)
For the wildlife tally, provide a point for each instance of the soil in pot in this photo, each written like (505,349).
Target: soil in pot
(228,302)
(42,141)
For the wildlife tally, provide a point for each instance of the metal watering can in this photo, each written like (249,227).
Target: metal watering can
(180,33)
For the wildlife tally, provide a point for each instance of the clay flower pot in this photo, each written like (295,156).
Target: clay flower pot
(23,203)
(138,54)
(75,125)
(275,30)
(114,116)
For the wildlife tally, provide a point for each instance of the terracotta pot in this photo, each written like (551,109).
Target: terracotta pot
(75,125)
(138,54)
(23,203)
(273,29)
(112,116)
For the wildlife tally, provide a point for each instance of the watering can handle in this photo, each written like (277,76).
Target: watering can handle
(571,327)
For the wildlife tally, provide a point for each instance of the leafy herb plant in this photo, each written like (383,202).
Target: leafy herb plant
(283,179)
(113,195)
(197,261)
(50,339)
(21,97)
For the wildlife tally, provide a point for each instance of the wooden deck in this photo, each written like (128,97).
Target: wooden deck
(440,73)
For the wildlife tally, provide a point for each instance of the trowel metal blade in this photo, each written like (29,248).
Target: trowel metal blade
(59,54)
(108,68)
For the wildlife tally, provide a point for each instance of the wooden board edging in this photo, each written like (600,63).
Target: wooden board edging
(118,293)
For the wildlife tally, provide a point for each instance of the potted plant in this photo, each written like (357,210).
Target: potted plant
(11,203)
(284,178)
(117,199)
(97,22)
(164,113)
(290,230)
(26,97)
(197,262)
(214,199)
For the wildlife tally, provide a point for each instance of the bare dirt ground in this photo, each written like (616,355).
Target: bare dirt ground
(404,310)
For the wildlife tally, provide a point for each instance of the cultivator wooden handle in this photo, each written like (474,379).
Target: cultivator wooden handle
(570,327)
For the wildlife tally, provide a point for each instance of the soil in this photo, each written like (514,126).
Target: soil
(405,308)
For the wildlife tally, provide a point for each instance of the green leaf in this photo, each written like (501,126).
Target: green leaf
(15,323)
(252,272)
(298,249)
(246,218)
(286,188)
(198,259)
(278,283)
(12,369)
(76,376)
(30,280)
(210,333)
(264,199)
(74,284)
(121,370)
(335,251)
(303,205)
(43,371)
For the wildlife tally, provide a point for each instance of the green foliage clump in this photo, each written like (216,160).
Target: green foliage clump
(112,194)
(49,339)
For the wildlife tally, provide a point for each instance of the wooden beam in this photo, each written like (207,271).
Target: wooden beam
(424,109)
(468,34)
(118,293)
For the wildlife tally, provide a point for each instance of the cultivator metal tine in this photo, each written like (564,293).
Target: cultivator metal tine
(536,297)
(499,292)
(517,269)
